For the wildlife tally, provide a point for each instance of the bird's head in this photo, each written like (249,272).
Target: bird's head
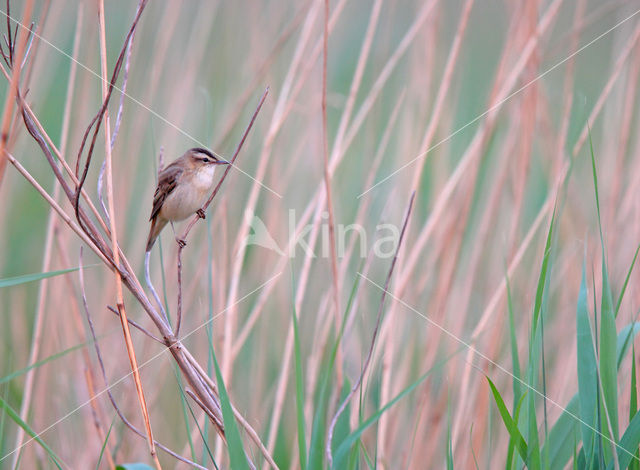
(201,157)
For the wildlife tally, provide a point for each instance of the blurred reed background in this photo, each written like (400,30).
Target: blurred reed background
(494,97)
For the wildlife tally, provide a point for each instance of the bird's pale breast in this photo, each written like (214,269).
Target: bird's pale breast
(189,195)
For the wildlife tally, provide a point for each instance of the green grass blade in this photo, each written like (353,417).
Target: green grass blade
(595,181)
(343,426)
(587,370)
(55,463)
(633,400)
(534,459)
(237,456)
(18,373)
(626,281)
(371,463)
(625,339)
(633,406)
(203,435)
(510,424)
(512,447)
(14,281)
(515,360)
(187,407)
(352,438)
(3,416)
(104,445)
(607,352)
(542,279)
(473,453)
(530,424)
(352,296)
(449,446)
(16,418)
(185,417)
(559,445)
(134,466)
(628,444)
(608,363)
(319,427)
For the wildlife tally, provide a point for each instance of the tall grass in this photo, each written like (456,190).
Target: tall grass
(508,333)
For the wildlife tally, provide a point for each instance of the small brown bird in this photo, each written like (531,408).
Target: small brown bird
(183,187)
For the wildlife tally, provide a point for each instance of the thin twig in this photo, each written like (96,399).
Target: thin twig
(51,228)
(14,84)
(208,412)
(147,278)
(243,422)
(373,340)
(206,205)
(85,223)
(176,348)
(123,88)
(116,128)
(317,200)
(104,373)
(147,257)
(8,44)
(30,37)
(231,162)
(56,207)
(136,325)
(90,233)
(9,41)
(260,71)
(4,56)
(97,120)
(59,154)
(114,239)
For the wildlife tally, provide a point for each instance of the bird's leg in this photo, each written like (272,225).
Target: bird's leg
(201,213)
(179,241)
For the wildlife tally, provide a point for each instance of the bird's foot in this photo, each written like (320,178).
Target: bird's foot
(181,242)
(201,214)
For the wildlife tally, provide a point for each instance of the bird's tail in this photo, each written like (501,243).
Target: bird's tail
(157,225)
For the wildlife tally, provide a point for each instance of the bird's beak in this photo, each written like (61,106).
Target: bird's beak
(222,162)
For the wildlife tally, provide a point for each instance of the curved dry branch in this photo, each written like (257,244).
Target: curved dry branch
(99,238)
(206,205)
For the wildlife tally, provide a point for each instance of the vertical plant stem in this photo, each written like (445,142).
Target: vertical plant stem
(114,246)
(16,60)
(327,187)
(445,85)
(46,263)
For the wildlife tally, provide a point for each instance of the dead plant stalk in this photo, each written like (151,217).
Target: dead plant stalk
(107,248)
(114,247)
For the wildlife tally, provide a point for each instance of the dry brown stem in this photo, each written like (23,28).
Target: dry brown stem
(107,248)
(15,59)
